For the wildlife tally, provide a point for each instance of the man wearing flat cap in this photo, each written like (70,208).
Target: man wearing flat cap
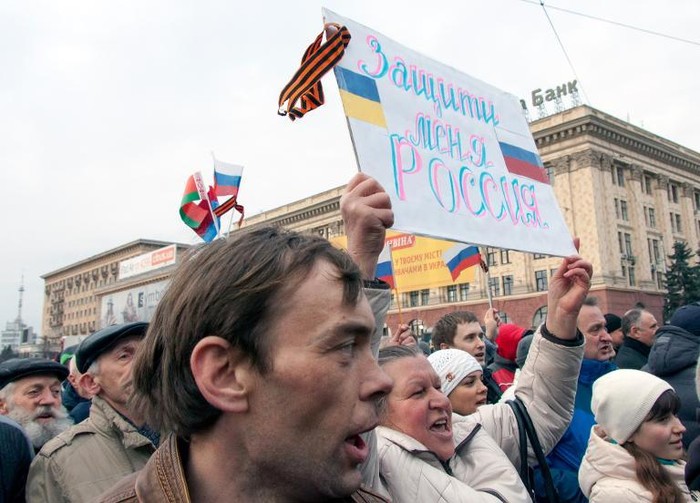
(83,462)
(30,394)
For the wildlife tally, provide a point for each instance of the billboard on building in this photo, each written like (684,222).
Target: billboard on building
(148,262)
(418,262)
(135,304)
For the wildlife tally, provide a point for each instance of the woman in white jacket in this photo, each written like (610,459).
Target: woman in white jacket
(635,453)
(426,453)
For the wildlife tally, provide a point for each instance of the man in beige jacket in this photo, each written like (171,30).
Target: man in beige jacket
(86,460)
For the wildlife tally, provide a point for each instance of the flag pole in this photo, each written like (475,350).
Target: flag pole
(487,276)
(396,284)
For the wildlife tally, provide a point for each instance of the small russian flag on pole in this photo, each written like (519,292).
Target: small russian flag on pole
(385,267)
(460,257)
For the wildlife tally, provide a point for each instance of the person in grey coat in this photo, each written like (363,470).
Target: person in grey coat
(673,358)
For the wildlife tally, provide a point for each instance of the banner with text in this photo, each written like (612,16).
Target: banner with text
(419,262)
(454,153)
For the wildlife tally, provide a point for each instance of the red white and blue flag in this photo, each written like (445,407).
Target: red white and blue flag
(227,178)
(227,181)
(385,267)
(460,257)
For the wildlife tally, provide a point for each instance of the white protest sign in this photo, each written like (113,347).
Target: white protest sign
(454,153)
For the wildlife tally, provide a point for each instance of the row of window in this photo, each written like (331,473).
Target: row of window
(673,190)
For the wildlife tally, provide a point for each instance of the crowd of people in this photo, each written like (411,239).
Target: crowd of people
(264,375)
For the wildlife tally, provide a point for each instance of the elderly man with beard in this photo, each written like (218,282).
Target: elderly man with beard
(83,462)
(30,394)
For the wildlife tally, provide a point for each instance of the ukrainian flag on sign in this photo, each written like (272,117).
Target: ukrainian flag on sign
(360,97)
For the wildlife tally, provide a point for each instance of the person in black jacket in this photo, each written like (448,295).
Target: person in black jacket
(639,329)
(673,358)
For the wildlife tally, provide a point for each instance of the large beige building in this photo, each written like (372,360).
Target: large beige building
(73,294)
(627,193)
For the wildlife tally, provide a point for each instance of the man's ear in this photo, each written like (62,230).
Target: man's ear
(89,384)
(222,373)
(3,407)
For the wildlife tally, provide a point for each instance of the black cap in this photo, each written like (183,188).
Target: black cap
(17,368)
(612,322)
(99,342)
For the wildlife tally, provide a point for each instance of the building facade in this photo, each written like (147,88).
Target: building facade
(627,193)
(73,294)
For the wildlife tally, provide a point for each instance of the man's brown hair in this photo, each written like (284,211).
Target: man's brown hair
(445,329)
(228,288)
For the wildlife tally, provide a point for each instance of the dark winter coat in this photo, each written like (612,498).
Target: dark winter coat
(633,354)
(673,358)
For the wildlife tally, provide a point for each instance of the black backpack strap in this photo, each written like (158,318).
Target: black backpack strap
(550,490)
(522,442)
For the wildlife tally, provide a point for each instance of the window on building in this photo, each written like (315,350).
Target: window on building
(646,184)
(676,226)
(495,287)
(413,298)
(618,176)
(541,281)
(652,218)
(660,281)
(463,291)
(490,257)
(620,243)
(505,256)
(507,286)
(631,276)
(424,297)
(623,268)
(623,211)
(617,208)
(504,317)
(628,245)
(452,293)
(696,201)
(538,256)
(539,316)
(672,193)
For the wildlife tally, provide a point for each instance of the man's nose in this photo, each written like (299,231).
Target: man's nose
(376,382)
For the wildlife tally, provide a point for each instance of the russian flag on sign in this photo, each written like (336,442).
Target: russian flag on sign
(385,268)
(460,257)
(227,178)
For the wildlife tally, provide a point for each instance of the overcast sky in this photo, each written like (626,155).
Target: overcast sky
(107,107)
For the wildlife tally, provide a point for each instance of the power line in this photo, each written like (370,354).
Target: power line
(566,54)
(617,23)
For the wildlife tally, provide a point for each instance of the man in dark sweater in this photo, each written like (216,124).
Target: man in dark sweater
(639,329)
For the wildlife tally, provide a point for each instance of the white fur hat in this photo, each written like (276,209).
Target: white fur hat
(622,399)
(452,365)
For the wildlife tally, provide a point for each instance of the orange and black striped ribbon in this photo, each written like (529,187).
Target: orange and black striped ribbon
(231,203)
(305,86)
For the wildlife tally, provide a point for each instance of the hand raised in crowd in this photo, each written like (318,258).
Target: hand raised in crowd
(491,323)
(366,210)
(401,337)
(568,288)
